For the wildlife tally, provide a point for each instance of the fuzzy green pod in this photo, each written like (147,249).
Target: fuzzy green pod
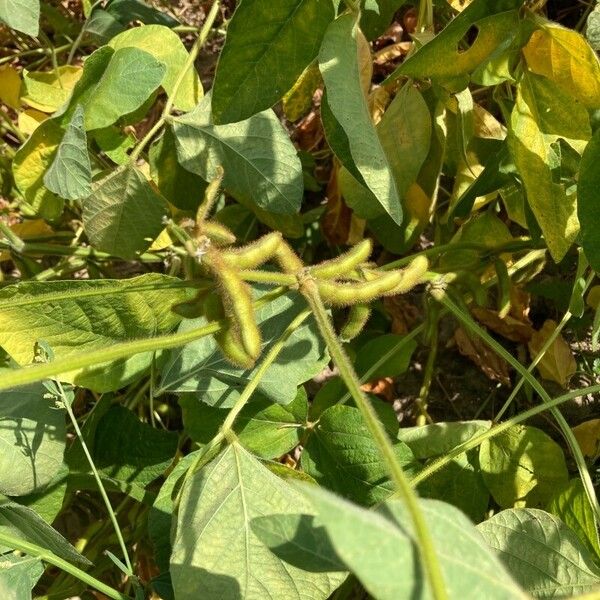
(412,275)
(255,254)
(237,301)
(231,346)
(218,234)
(358,316)
(288,260)
(210,196)
(347,294)
(345,263)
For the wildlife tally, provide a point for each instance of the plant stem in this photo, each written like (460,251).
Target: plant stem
(540,355)
(574,447)
(431,564)
(109,508)
(226,429)
(193,54)
(30,374)
(6,539)
(440,463)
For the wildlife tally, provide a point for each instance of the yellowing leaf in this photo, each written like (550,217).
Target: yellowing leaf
(48,91)
(365,61)
(30,165)
(588,437)
(593,297)
(558,363)
(542,114)
(10,86)
(30,119)
(298,101)
(564,56)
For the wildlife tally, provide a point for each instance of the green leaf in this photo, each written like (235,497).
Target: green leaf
(443,58)
(165,46)
(22,15)
(592,32)
(298,541)
(70,174)
(124,214)
(200,367)
(341,455)
(541,553)
(30,164)
(436,439)
(543,114)
(265,429)
(114,143)
(522,465)
(125,449)
(377,15)
(258,65)
(260,162)
(48,502)
(75,316)
(378,547)
(127,81)
(32,438)
(18,576)
(215,512)
(571,505)
(180,187)
(22,522)
(339,65)
(588,201)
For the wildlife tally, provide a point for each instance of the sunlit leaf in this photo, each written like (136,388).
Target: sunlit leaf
(10,86)
(558,363)
(522,466)
(165,46)
(215,511)
(564,56)
(22,15)
(541,553)
(49,90)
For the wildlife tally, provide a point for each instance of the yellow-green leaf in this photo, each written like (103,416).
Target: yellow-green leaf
(49,90)
(10,86)
(543,113)
(164,44)
(564,56)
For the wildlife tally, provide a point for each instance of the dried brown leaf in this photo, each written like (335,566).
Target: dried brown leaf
(558,363)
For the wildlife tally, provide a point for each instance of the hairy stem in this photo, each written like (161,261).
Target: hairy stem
(431,564)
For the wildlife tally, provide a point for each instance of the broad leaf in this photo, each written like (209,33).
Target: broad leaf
(216,554)
(22,522)
(522,466)
(75,316)
(124,213)
(114,84)
(22,15)
(342,456)
(165,46)
(299,541)
(70,174)
(126,449)
(571,505)
(542,114)
(588,201)
(260,163)
(201,367)
(592,32)
(18,576)
(259,64)
(378,547)
(32,438)
(566,58)
(267,430)
(30,164)
(339,65)
(541,553)
(47,91)
(443,58)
